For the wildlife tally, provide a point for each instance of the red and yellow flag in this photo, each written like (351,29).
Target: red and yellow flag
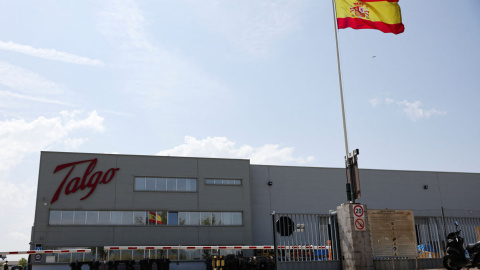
(384,15)
(154,218)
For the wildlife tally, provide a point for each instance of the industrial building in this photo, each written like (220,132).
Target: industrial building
(88,200)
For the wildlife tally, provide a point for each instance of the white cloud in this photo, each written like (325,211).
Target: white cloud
(32,98)
(123,20)
(19,138)
(50,54)
(19,141)
(374,102)
(158,72)
(253,27)
(413,110)
(26,81)
(389,100)
(17,203)
(221,147)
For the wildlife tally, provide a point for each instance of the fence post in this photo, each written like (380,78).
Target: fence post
(274,240)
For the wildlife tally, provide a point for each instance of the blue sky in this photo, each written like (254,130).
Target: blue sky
(234,79)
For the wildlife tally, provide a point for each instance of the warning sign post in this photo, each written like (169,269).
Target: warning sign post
(359,217)
(354,231)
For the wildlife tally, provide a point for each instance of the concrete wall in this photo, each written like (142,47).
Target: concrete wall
(119,195)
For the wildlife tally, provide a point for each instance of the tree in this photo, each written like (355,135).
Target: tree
(23,262)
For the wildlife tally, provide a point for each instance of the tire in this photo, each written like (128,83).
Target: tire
(447,261)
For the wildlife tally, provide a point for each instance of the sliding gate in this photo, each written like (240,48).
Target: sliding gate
(306,241)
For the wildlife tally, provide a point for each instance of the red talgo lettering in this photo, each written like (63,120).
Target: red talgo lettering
(78,183)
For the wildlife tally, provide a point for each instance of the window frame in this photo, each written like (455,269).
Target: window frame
(190,185)
(224,182)
(200,218)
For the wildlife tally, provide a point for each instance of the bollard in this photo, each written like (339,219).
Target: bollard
(218,263)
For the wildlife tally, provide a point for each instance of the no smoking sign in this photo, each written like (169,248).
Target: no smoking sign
(359,217)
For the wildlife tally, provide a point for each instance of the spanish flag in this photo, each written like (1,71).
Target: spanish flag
(383,15)
(154,218)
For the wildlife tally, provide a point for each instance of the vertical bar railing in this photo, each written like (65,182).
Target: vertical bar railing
(314,238)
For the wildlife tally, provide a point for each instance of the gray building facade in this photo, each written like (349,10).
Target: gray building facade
(96,200)
(108,207)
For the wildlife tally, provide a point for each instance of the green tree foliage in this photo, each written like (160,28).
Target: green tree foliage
(23,262)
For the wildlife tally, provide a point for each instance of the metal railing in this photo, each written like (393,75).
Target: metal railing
(431,233)
(306,237)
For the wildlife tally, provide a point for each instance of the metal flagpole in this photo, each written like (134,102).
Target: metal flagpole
(352,186)
(340,78)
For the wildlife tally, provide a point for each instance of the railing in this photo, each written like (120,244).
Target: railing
(309,237)
(431,242)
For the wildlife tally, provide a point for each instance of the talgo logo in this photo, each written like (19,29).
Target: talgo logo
(88,181)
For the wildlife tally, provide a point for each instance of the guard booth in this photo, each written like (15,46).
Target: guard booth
(306,241)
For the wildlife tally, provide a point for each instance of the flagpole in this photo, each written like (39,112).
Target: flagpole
(340,79)
(351,193)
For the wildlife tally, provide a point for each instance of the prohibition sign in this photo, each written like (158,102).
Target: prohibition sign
(359,224)
(358,211)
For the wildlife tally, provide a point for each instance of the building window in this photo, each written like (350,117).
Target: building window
(227,182)
(172,218)
(55,218)
(92,217)
(127,218)
(103,217)
(67,218)
(138,254)
(116,217)
(139,218)
(165,184)
(80,218)
(157,217)
(144,218)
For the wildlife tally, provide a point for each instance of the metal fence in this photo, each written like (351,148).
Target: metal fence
(306,241)
(431,233)
(431,242)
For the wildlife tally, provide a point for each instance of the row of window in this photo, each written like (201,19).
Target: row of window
(151,218)
(98,255)
(177,184)
(165,184)
(235,182)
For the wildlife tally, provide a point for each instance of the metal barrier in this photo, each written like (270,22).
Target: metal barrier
(431,242)
(431,234)
(45,251)
(306,241)
(306,237)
